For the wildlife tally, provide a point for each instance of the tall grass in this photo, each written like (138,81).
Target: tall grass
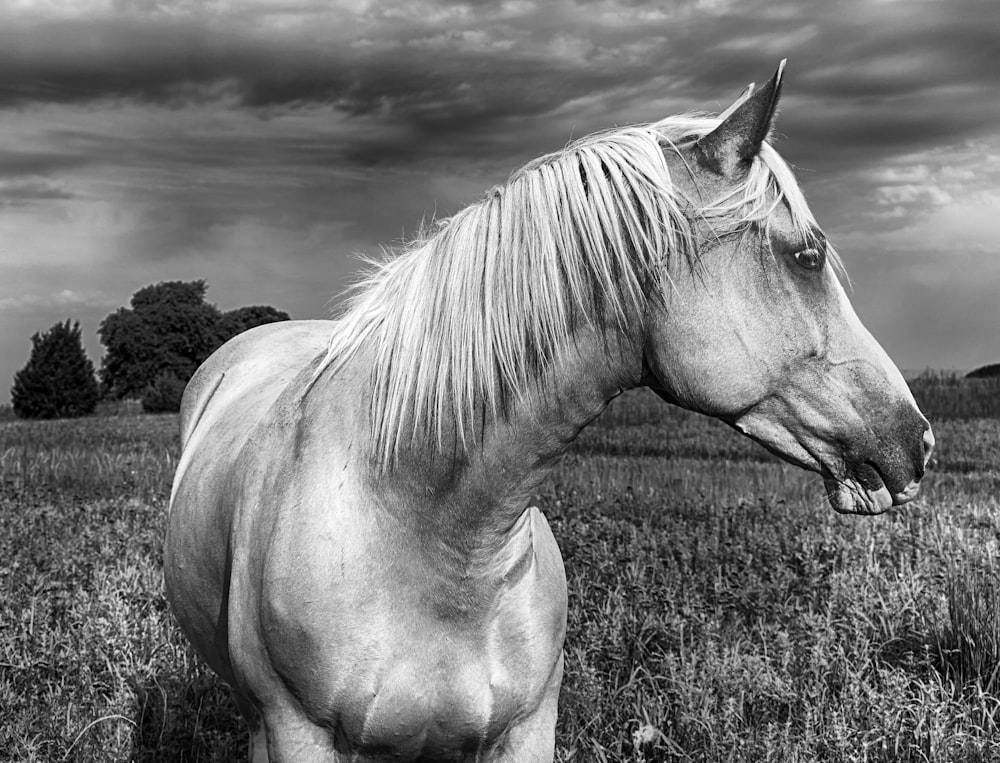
(97,457)
(949,395)
(719,610)
(967,642)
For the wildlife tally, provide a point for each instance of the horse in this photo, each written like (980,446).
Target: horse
(350,544)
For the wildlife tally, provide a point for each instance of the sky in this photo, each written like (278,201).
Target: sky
(261,145)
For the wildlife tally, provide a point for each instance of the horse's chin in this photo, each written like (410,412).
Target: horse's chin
(848,496)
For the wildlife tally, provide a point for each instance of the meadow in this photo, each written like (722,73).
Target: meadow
(719,609)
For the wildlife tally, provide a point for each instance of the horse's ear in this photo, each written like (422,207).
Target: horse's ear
(745,125)
(747,92)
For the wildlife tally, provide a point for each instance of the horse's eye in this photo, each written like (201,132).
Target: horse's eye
(809,259)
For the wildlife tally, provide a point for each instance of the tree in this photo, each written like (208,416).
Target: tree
(990,371)
(58,380)
(243,318)
(153,347)
(169,328)
(164,395)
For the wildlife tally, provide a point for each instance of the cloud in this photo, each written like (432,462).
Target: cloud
(22,192)
(65,299)
(909,193)
(484,77)
(957,235)
(900,189)
(383,59)
(261,143)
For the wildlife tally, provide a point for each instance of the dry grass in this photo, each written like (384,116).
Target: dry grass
(720,611)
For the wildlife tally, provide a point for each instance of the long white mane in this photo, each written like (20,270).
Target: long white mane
(464,317)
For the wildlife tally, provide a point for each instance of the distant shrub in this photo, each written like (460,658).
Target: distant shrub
(990,371)
(164,394)
(58,380)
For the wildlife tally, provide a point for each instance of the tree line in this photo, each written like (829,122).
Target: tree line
(151,349)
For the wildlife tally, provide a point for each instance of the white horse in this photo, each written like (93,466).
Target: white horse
(350,544)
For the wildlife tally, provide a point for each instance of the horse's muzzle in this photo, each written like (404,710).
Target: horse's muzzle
(884,472)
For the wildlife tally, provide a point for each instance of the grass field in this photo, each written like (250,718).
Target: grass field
(719,609)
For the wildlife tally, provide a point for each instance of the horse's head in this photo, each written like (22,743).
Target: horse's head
(760,333)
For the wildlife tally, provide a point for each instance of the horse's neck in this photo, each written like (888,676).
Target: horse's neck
(485,487)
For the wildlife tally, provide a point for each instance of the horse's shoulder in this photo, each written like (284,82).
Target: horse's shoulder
(253,366)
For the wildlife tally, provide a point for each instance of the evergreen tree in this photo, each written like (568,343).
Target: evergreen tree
(58,380)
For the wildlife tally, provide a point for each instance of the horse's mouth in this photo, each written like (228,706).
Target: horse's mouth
(862,490)
(853,485)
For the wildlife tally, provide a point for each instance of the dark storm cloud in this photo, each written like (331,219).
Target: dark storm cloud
(477,77)
(426,83)
(894,77)
(458,81)
(439,85)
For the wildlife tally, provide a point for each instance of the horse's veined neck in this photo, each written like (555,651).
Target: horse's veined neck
(509,455)
(467,317)
(466,320)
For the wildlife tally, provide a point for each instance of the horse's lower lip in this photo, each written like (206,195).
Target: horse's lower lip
(908,494)
(848,496)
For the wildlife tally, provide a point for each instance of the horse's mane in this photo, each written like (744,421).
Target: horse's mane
(463,319)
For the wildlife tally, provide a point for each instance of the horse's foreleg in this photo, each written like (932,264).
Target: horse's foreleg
(534,739)
(293,738)
(258,738)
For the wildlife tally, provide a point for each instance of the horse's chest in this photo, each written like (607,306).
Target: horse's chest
(394,658)
(415,695)
(439,709)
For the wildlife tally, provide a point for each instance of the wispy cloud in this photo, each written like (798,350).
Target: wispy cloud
(67,299)
(19,193)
